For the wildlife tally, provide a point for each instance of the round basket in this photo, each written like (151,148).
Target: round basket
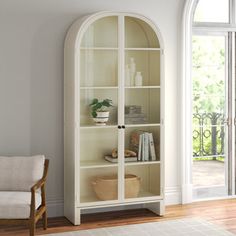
(106,187)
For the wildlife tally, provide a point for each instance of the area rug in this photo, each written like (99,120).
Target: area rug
(180,227)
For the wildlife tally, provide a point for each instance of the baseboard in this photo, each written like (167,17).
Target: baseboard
(55,207)
(187,193)
(172,195)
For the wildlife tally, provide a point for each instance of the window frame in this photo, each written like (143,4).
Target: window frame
(185,90)
(215,24)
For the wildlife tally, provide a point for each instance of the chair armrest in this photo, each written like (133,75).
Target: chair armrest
(38,185)
(42,181)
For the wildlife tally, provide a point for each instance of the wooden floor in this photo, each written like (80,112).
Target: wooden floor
(222,212)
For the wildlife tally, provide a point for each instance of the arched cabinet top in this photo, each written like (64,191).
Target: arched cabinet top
(103,30)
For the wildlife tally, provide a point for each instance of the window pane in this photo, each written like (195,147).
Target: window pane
(209,79)
(212,11)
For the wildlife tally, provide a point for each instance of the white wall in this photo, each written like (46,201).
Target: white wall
(32,34)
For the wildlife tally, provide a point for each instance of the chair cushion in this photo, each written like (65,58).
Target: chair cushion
(20,173)
(16,205)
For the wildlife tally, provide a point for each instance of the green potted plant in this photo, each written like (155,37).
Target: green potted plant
(99,110)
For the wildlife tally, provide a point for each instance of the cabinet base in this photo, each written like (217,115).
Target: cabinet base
(156,207)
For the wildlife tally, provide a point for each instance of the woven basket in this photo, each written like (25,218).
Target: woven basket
(106,187)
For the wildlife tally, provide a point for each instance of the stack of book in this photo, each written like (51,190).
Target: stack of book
(134,115)
(142,143)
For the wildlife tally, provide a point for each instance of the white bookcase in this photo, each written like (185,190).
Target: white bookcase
(97,50)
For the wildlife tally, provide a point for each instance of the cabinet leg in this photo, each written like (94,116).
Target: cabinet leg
(77,220)
(156,207)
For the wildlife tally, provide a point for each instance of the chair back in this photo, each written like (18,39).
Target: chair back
(20,173)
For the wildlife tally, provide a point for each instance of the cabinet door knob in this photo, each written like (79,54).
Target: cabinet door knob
(123,127)
(119,127)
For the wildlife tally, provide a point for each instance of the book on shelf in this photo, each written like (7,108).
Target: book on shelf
(142,143)
(152,148)
(140,148)
(115,160)
(143,147)
(146,145)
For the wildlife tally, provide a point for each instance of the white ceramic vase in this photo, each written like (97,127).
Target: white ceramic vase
(102,117)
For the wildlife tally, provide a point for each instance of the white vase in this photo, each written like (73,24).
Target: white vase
(127,76)
(138,79)
(102,117)
(132,67)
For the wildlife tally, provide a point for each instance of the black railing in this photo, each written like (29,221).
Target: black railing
(208,134)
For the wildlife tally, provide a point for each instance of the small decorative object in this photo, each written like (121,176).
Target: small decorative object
(138,79)
(133,109)
(134,115)
(129,155)
(127,76)
(132,70)
(106,187)
(99,111)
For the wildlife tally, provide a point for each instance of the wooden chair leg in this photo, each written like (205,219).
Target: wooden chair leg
(32,228)
(45,221)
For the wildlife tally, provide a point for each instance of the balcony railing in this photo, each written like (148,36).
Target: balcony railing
(208,135)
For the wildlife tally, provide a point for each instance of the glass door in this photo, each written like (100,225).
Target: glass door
(143,162)
(210,103)
(98,145)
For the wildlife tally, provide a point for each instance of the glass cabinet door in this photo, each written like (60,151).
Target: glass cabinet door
(142,110)
(105,146)
(99,138)
(99,54)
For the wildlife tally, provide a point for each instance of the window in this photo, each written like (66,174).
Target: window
(213,103)
(212,11)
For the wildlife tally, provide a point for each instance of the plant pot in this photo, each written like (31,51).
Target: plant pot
(102,117)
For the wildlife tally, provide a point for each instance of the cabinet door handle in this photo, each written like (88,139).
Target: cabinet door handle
(119,127)
(123,127)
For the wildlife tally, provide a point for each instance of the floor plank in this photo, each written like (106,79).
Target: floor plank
(221,212)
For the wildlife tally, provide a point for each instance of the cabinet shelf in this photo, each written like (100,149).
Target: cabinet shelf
(142,163)
(143,125)
(144,195)
(87,201)
(98,48)
(107,87)
(96,164)
(142,49)
(143,87)
(94,201)
(104,164)
(98,126)
(115,126)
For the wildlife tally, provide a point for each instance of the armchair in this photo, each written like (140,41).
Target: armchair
(22,191)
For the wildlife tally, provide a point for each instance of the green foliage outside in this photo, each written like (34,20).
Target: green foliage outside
(219,158)
(208,81)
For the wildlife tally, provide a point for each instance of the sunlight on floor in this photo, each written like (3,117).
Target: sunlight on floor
(208,173)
